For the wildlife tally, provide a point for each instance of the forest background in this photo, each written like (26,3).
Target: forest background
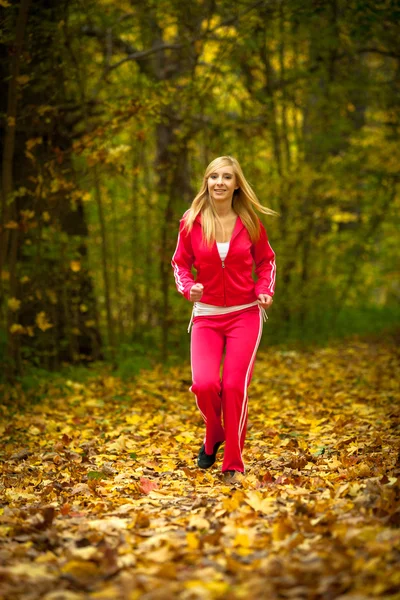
(110,112)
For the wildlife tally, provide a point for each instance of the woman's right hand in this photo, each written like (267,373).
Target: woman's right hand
(196,292)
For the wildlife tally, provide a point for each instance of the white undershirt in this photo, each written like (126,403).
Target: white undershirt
(223,248)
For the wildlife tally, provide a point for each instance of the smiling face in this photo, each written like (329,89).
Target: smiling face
(222,183)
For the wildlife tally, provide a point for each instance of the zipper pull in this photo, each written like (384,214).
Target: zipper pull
(223,265)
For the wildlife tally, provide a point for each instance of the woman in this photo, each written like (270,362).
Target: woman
(222,237)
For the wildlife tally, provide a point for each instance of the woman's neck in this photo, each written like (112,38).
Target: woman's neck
(224,210)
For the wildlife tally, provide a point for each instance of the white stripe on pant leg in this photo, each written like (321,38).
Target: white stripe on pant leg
(244,413)
(197,404)
(245,400)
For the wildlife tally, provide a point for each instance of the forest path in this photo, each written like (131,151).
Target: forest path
(102,497)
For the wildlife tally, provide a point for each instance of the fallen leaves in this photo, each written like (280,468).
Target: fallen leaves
(102,497)
(146,485)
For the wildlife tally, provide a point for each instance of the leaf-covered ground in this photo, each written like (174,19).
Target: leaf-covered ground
(102,497)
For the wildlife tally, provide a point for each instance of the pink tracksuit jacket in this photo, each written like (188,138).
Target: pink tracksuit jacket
(228,282)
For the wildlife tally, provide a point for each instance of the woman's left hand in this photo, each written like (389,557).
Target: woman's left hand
(265,300)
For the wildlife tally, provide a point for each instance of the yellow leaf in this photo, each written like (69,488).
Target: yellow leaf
(265,505)
(21,191)
(234,502)
(46,557)
(22,79)
(133,419)
(42,322)
(362,470)
(75,265)
(198,522)
(161,555)
(14,304)
(27,214)
(86,553)
(205,584)
(41,110)
(109,592)
(281,529)
(242,539)
(344,217)
(354,489)
(167,571)
(11,225)
(392,480)
(108,524)
(351,448)
(82,570)
(192,541)
(28,571)
(34,430)
(32,142)
(17,328)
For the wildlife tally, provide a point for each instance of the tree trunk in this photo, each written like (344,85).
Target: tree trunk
(104,264)
(8,203)
(43,269)
(135,250)
(116,268)
(284,103)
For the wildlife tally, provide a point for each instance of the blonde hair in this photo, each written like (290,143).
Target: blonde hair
(243,201)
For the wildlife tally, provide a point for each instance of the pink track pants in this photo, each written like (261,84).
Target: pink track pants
(225,397)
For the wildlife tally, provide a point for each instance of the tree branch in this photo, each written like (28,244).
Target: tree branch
(138,55)
(378,51)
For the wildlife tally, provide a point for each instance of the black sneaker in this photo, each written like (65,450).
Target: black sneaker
(205,461)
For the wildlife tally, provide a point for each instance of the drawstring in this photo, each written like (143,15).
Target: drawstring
(191,319)
(264,313)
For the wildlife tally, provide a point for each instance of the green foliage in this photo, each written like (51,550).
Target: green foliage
(131,359)
(323,326)
(106,166)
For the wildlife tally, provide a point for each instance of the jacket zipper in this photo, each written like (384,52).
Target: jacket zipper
(223,280)
(223,267)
